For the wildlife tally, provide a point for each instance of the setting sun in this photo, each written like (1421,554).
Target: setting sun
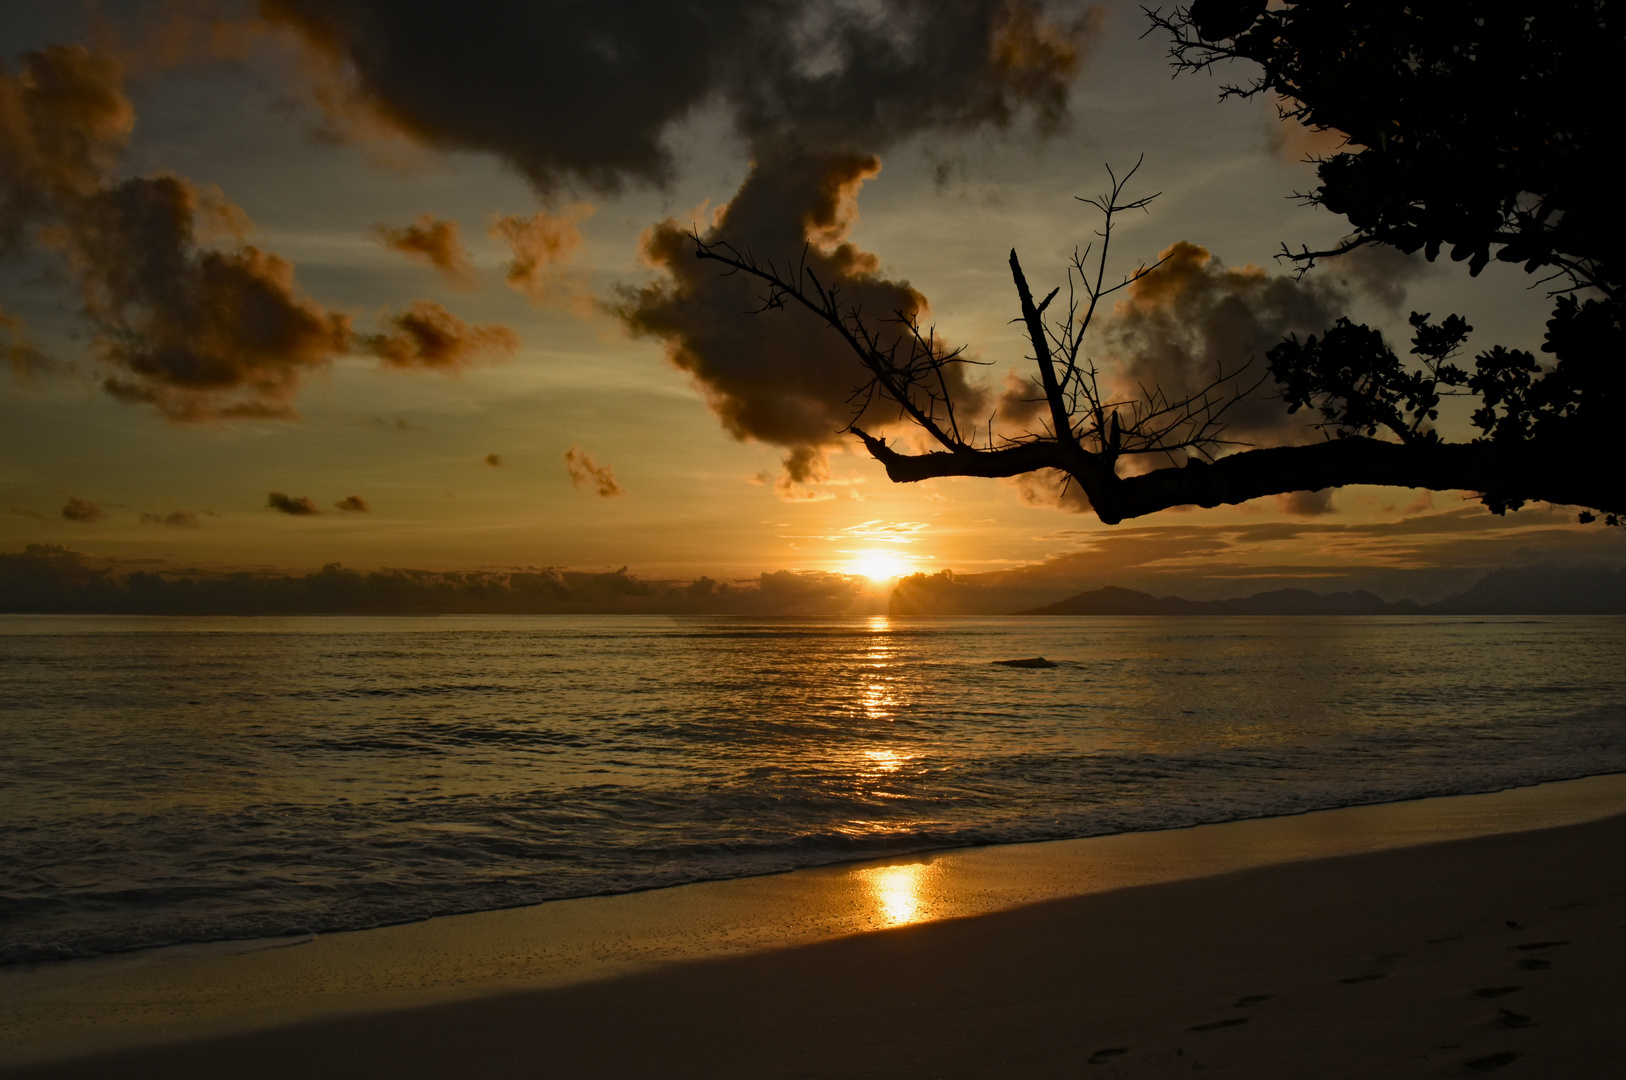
(878,565)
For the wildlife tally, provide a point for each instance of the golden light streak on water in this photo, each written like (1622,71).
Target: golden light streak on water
(875,694)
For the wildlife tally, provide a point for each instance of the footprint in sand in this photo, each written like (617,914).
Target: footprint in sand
(1215,1025)
(1529,945)
(1491,1061)
(1495,991)
(1511,1019)
(1101,1057)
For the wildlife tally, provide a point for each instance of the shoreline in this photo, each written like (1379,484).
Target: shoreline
(138,1004)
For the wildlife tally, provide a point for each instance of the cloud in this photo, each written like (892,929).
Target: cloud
(64,121)
(288,504)
(583,470)
(542,247)
(1378,271)
(803,468)
(583,96)
(1306,503)
(428,337)
(26,359)
(198,332)
(187,317)
(1050,488)
(430,241)
(817,90)
(494,460)
(1193,320)
(352,504)
(179,519)
(1021,404)
(780,377)
(82,511)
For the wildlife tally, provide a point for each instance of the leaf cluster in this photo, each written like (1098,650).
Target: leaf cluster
(1359,385)
(1474,127)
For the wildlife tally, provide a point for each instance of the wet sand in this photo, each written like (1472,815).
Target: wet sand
(1442,937)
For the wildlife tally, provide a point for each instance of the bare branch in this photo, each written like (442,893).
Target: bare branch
(1087,431)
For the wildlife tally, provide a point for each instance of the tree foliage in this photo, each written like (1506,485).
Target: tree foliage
(1471,128)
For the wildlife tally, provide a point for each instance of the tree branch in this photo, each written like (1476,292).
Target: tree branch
(1549,476)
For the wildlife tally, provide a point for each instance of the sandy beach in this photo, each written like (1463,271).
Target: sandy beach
(1441,937)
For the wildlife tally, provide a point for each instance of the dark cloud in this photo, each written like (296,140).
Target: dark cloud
(352,504)
(804,467)
(818,90)
(1379,271)
(82,510)
(1306,503)
(1021,406)
(780,377)
(584,470)
(64,121)
(428,337)
(177,519)
(187,316)
(1193,320)
(300,506)
(584,95)
(433,242)
(199,332)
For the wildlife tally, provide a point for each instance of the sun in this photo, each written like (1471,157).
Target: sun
(878,565)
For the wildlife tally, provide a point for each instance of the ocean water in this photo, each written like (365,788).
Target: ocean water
(184,780)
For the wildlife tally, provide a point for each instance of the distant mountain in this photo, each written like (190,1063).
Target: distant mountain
(1540,590)
(1115,601)
(1526,591)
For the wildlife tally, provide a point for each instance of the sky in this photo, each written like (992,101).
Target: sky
(393,284)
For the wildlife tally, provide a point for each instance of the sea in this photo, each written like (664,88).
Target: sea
(174,780)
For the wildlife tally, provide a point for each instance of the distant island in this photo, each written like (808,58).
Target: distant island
(1525,591)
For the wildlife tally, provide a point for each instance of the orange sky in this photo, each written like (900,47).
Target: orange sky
(466,390)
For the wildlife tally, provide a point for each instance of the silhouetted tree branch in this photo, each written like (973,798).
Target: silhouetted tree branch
(1469,126)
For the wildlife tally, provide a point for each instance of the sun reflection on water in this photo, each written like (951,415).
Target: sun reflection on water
(884,761)
(897,893)
(875,693)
